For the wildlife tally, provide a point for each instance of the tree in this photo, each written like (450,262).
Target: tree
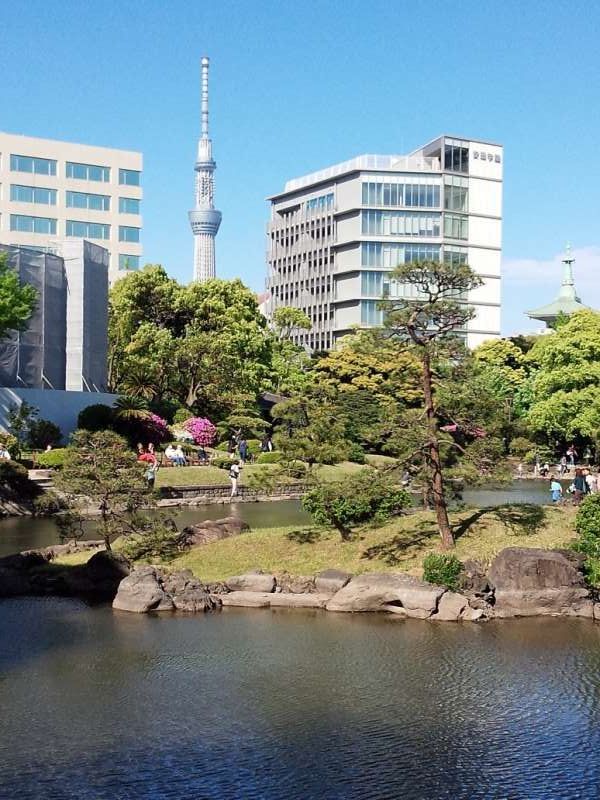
(43,432)
(17,302)
(428,325)
(364,497)
(289,361)
(20,419)
(287,319)
(565,402)
(100,467)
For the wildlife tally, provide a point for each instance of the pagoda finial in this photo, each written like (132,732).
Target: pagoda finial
(568,261)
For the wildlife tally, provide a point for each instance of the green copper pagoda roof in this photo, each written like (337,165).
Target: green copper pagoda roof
(567,301)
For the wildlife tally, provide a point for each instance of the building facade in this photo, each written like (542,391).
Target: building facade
(54,192)
(65,343)
(334,235)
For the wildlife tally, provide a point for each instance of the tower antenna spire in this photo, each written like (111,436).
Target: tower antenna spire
(204,218)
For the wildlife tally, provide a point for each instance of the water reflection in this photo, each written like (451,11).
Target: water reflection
(295,705)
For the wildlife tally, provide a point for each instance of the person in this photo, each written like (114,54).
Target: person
(4,453)
(592,482)
(519,470)
(234,474)
(266,445)
(556,491)
(536,468)
(180,456)
(587,456)
(48,448)
(243,450)
(545,469)
(563,465)
(580,487)
(571,455)
(232,445)
(150,474)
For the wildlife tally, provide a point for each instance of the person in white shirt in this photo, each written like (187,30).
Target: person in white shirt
(592,482)
(180,456)
(173,454)
(4,454)
(234,474)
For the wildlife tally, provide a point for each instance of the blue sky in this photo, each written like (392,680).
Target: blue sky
(297,86)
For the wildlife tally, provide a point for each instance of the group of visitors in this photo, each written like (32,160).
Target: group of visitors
(176,455)
(238,442)
(585,482)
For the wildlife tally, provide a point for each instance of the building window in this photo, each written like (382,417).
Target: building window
(129,205)
(87,172)
(456,156)
(20,222)
(129,177)
(88,230)
(127,234)
(32,194)
(370,314)
(456,193)
(372,284)
(455,255)
(379,254)
(128,262)
(425,194)
(456,226)
(400,223)
(94,202)
(38,166)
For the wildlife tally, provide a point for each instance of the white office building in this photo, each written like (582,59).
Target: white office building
(53,192)
(334,235)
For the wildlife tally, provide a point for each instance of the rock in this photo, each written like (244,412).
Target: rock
(472,614)
(295,584)
(194,598)
(450,607)
(247,599)
(217,587)
(212,531)
(584,609)
(397,611)
(251,582)
(139,592)
(292,600)
(597,612)
(369,592)
(473,578)
(331,581)
(531,582)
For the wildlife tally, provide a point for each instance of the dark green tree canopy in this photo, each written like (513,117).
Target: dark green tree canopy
(17,302)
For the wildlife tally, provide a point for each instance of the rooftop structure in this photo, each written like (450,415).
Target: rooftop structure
(54,192)
(204,218)
(335,234)
(567,301)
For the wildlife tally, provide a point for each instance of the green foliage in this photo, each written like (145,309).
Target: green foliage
(587,525)
(53,459)
(273,457)
(9,442)
(356,453)
(222,462)
(17,302)
(363,497)
(442,570)
(15,484)
(158,542)
(310,430)
(48,503)
(97,417)
(181,415)
(288,320)
(244,422)
(520,446)
(20,419)
(43,432)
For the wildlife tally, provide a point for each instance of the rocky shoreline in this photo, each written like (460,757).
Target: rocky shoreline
(520,582)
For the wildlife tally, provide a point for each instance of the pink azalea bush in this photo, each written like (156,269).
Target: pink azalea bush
(156,429)
(201,429)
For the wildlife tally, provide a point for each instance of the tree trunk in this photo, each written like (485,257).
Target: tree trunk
(435,463)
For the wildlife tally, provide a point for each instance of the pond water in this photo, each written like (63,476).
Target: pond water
(294,705)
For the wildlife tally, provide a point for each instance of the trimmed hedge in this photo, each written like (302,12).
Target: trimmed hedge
(272,457)
(52,459)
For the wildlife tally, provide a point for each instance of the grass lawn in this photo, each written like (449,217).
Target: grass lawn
(213,476)
(400,545)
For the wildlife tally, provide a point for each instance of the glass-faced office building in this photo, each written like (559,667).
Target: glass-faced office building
(53,193)
(334,235)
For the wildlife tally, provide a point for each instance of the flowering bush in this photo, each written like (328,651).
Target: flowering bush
(202,430)
(156,429)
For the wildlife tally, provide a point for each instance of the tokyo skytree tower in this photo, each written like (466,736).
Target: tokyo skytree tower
(204,218)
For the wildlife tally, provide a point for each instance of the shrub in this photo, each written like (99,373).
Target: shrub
(587,525)
(43,432)
(181,415)
(363,497)
(272,457)
(9,442)
(442,570)
(98,417)
(202,429)
(15,483)
(158,543)
(52,459)
(222,462)
(520,446)
(356,453)
(48,503)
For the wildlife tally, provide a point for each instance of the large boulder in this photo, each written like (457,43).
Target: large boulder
(530,582)
(251,582)
(331,581)
(371,591)
(274,599)
(140,592)
(450,607)
(212,531)
(295,584)
(187,593)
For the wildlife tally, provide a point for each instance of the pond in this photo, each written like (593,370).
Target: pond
(294,705)
(24,533)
